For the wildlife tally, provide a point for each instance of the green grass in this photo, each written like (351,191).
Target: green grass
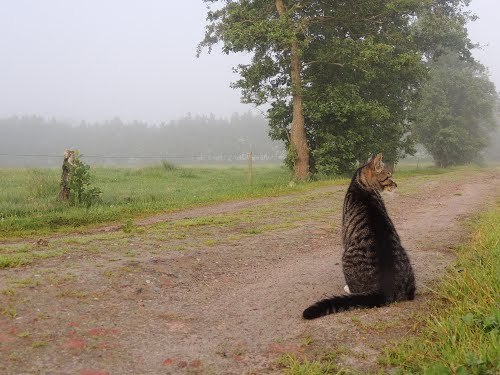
(16,255)
(293,365)
(28,203)
(14,260)
(461,335)
(427,169)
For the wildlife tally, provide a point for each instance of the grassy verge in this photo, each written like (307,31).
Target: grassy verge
(29,206)
(462,333)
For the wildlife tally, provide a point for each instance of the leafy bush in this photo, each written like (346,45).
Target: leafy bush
(82,193)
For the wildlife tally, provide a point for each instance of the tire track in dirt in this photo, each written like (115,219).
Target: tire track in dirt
(235,307)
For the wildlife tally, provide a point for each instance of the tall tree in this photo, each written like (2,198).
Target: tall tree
(298,138)
(362,76)
(455,113)
(327,69)
(344,74)
(273,32)
(493,150)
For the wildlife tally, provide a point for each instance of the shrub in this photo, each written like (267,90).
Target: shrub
(82,193)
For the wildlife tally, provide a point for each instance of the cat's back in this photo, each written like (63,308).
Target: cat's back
(364,215)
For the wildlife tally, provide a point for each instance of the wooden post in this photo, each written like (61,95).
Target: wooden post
(68,162)
(250,169)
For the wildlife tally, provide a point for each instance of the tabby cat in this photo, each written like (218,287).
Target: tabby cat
(376,267)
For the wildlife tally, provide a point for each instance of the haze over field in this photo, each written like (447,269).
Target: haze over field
(35,142)
(95,60)
(134,63)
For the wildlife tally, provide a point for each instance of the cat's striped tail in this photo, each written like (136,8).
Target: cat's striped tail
(342,303)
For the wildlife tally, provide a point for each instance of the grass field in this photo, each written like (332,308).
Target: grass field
(29,205)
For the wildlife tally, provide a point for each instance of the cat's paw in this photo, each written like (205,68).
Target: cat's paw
(346,289)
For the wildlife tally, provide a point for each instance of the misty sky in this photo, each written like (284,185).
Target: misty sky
(97,59)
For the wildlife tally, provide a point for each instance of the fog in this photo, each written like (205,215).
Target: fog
(97,60)
(485,32)
(32,141)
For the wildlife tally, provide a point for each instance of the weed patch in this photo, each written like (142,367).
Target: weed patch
(9,312)
(14,260)
(293,365)
(29,205)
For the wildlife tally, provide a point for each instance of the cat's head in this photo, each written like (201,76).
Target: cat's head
(377,175)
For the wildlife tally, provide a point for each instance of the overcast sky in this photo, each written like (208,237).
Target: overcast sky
(96,59)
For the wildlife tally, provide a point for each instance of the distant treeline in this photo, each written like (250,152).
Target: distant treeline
(34,141)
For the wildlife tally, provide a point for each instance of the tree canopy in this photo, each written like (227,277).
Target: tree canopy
(455,113)
(344,75)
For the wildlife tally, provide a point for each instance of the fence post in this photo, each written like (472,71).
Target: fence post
(250,168)
(68,162)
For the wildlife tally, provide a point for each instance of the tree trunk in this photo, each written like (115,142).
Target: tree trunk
(64,193)
(298,137)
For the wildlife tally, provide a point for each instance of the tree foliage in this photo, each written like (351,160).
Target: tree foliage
(455,113)
(361,80)
(441,26)
(492,152)
(82,193)
(274,33)
(362,63)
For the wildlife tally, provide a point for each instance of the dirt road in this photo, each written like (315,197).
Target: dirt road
(221,289)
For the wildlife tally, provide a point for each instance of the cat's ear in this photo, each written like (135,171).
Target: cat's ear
(377,163)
